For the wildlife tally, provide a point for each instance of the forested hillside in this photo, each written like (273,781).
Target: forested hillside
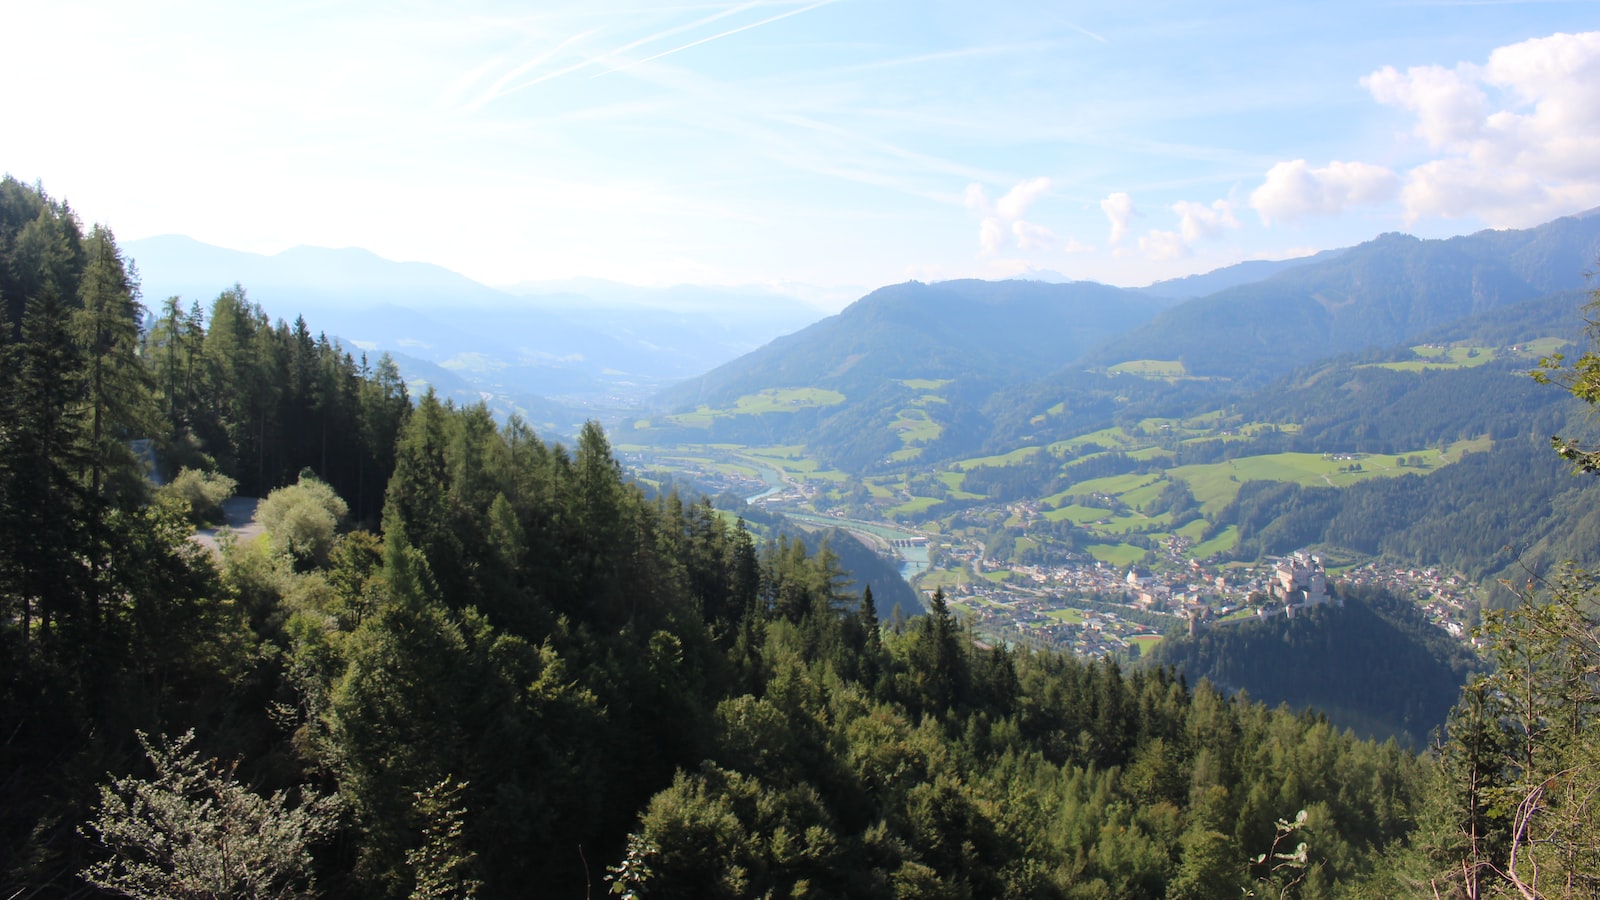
(1372,663)
(1386,291)
(518,674)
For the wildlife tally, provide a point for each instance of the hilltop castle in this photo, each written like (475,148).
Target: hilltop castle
(1299,581)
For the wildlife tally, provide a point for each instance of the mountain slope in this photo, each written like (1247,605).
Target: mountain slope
(972,331)
(1375,664)
(901,373)
(1380,293)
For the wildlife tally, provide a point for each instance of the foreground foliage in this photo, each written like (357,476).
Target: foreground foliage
(194,831)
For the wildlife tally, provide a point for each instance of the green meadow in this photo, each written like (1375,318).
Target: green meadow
(1150,368)
(1439,358)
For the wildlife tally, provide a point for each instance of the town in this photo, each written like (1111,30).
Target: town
(1091,607)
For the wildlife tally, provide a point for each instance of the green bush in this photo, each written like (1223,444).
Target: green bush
(302,520)
(202,493)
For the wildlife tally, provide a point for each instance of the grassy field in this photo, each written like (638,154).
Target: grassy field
(1005,459)
(1117,554)
(912,507)
(1116,485)
(1432,358)
(1150,368)
(1216,484)
(776,452)
(1541,347)
(915,427)
(773,400)
(1066,616)
(925,384)
(1226,540)
(1077,514)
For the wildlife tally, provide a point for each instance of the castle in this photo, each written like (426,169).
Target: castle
(1298,580)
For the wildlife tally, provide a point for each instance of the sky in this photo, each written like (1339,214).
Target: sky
(829,146)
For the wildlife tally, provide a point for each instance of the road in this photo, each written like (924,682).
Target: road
(239,516)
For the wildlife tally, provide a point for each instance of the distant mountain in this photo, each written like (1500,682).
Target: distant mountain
(1386,291)
(906,366)
(972,332)
(1247,272)
(589,346)
(318,278)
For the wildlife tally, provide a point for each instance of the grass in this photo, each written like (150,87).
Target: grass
(1066,616)
(1215,485)
(1116,485)
(925,384)
(1222,543)
(945,578)
(772,400)
(1542,347)
(1117,554)
(912,507)
(1005,459)
(779,452)
(915,427)
(1077,514)
(1113,437)
(1439,358)
(1143,494)
(1150,368)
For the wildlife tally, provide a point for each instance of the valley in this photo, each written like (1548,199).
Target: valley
(1051,571)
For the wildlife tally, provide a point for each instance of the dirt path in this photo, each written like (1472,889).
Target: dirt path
(239,516)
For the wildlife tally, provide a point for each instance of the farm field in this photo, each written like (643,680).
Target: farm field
(1439,358)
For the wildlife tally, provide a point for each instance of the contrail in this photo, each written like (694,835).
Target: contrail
(731,31)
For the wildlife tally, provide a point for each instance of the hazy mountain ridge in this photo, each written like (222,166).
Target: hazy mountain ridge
(548,352)
(931,353)
(1247,272)
(1385,291)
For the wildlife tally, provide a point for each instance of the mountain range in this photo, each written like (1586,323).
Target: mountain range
(968,365)
(908,373)
(553,352)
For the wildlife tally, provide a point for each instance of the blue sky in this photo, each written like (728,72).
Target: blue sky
(842,144)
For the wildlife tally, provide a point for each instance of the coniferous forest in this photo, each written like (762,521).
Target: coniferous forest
(466,661)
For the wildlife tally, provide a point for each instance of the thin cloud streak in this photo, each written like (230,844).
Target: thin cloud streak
(721,35)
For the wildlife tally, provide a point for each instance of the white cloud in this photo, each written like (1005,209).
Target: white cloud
(1163,245)
(990,235)
(1199,222)
(1519,136)
(1005,216)
(1014,205)
(1118,207)
(1034,237)
(1449,106)
(1294,190)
